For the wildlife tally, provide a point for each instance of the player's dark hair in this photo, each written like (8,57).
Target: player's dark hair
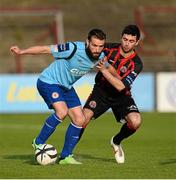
(98,33)
(132,30)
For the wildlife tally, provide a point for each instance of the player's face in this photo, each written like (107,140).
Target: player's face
(95,46)
(128,42)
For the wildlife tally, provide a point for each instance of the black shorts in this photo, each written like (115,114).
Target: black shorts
(99,102)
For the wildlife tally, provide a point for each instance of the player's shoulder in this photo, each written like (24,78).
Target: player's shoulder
(138,61)
(67,46)
(137,58)
(79,44)
(72,46)
(64,50)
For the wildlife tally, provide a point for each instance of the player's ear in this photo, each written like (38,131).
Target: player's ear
(137,43)
(87,42)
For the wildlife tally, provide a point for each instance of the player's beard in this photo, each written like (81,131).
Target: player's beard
(92,55)
(95,55)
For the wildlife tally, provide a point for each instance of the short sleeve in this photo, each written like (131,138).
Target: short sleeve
(62,51)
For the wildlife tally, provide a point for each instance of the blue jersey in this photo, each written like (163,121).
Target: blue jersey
(71,62)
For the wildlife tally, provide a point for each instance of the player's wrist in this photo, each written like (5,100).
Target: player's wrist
(104,70)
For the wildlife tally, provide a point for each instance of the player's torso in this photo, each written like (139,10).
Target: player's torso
(80,63)
(66,71)
(123,67)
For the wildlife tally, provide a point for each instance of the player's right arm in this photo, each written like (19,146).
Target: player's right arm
(59,51)
(34,50)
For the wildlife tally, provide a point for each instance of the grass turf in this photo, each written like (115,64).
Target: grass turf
(150,153)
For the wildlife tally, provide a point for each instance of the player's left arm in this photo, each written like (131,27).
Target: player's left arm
(113,71)
(131,76)
(110,74)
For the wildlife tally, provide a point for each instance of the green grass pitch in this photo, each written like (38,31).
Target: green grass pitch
(150,153)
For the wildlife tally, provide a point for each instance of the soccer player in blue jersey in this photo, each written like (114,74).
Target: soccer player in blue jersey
(55,84)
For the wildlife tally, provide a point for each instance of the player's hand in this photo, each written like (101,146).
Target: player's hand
(102,65)
(15,50)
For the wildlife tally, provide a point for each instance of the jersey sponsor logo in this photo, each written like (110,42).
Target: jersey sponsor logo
(63,47)
(92,104)
(55,95)
(77,72)
(123,69)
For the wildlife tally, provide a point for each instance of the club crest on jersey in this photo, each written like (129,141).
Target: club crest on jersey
(123,69)
(92,104)
(55,95)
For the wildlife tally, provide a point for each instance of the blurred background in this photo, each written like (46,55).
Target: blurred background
(43,22)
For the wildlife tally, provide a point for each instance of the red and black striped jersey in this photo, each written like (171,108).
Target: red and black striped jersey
(127,68)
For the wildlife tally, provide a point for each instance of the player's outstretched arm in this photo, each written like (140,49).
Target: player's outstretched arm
(34,50)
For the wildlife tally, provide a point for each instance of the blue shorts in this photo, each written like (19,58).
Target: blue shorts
(52,93)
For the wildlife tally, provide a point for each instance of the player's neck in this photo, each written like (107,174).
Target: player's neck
(126,54)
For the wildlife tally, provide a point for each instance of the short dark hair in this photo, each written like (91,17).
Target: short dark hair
(132,30)
(98,33)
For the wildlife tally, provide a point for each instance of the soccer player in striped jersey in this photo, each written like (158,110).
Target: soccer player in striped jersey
(112,87)
(55,84)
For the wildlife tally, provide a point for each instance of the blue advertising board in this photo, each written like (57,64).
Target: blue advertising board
(18,93)
(143,91)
